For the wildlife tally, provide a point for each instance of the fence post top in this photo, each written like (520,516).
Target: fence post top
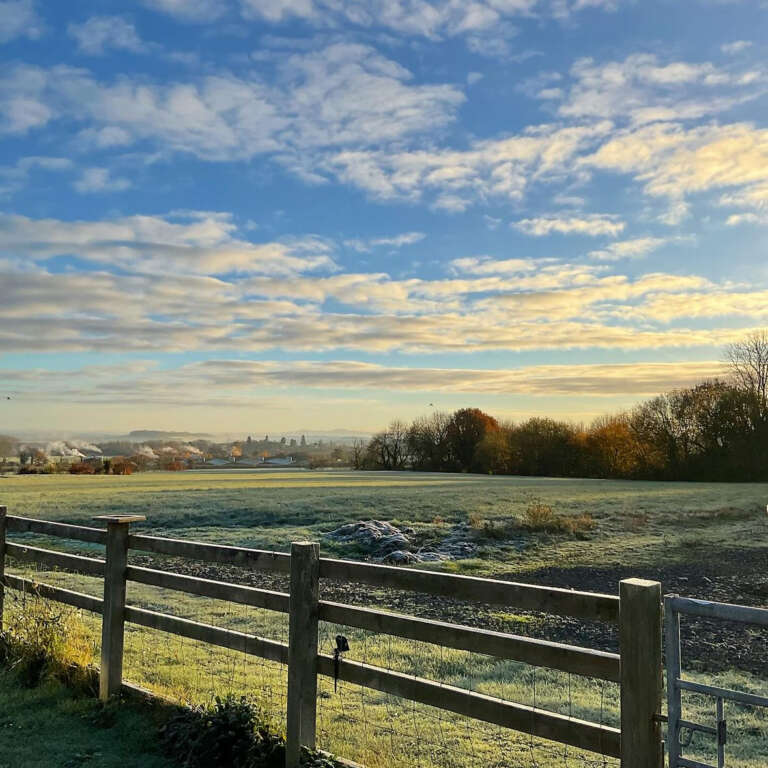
(3,510)
(304,544)
(120,519)
(641,583)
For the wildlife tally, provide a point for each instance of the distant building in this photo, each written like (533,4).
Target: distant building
(277,461)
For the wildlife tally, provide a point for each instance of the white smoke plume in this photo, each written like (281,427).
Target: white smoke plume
(83,445)
(60,448)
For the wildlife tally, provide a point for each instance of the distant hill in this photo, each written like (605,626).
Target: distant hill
(140,435)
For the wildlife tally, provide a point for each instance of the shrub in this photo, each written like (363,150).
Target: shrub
(81,468)
(540,517)
(231,732)
(218,734)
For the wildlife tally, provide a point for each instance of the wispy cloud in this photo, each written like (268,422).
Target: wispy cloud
(641,89)
(432,19)
(674,162)
(502,168)
(393,242)
(220,291)
(593,225)
(99,33)
(737,46)
(346,94)
(197,243)
(19,18)
(635,248)
(197,11)
(485,265)
(236,380)
(100,180)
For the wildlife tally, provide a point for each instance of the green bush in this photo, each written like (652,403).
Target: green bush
(231,732)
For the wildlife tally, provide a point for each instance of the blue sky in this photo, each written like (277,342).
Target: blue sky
(226,214)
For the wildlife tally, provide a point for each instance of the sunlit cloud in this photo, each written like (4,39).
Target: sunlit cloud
(593,226)
(392,242)
(195,242)
(636,248)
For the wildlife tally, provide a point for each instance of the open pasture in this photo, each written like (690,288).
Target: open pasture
(707,540)
(636,523)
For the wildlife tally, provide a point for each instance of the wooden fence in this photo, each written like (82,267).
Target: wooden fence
(637,610)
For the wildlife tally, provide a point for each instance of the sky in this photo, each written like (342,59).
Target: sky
(222,215)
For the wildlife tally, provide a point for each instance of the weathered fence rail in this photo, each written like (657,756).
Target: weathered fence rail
(637,611)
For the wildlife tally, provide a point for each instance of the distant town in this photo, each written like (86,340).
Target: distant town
(144,450)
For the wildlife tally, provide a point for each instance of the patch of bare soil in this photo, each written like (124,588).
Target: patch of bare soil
(726,575)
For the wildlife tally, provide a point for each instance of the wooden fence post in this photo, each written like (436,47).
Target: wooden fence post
(3,527)
(641,673)
(113,615)
(302,650)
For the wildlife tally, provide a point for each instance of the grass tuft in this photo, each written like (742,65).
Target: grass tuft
(41,638)
(540,517)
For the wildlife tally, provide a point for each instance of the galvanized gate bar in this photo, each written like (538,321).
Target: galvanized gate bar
(674,698)
(673,607)
(725,611)
(750,699)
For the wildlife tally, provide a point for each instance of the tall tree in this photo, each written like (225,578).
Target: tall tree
(466,430)
(428,442)
(748,361)
(8,446)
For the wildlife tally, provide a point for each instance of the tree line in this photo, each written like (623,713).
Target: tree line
(715,430)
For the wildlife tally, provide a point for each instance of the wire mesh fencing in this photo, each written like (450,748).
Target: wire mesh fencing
(381,730)
(194,672)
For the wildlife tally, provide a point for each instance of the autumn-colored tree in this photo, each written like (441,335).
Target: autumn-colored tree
(715,430)
(122,466)
(611,447)
(494,452)
(466,430)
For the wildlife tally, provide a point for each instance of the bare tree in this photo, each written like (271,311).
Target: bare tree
(748,361)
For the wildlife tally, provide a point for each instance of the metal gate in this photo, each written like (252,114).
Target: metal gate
(681,731)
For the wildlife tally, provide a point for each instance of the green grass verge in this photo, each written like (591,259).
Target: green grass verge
(50,727)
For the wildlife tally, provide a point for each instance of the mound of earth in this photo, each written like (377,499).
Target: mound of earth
(386,543)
